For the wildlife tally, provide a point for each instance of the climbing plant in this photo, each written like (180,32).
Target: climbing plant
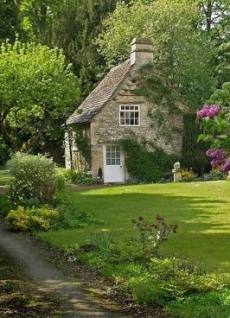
(162,95)
(146,165)
(82,143)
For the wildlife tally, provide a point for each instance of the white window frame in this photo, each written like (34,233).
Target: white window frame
(124,110)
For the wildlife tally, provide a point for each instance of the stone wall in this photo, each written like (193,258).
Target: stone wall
(105,127)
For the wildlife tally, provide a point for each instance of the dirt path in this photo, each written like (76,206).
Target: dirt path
(78,300)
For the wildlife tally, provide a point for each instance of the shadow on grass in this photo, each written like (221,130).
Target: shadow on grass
(204,224)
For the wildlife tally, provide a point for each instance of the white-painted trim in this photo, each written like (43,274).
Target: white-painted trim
(139,110)
(122,165)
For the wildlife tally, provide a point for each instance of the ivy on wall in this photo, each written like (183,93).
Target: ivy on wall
(162,95)
(82,142)
(144,165)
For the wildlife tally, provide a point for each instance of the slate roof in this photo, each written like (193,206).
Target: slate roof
(100,95)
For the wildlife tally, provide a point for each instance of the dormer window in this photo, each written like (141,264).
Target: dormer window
(129,115)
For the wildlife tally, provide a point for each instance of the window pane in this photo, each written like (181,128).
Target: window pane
(118,162)
(129,115)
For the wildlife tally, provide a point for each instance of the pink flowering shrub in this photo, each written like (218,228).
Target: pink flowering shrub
(208,111)
(216,130)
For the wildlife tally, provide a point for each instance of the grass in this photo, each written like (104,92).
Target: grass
(5,177)
(201,210)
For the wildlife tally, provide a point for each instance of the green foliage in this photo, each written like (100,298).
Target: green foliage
(70,218)
(188,175)
(5,205)
(144,165)
(9,20)
(83,143)
(129,250)
(71,25)
(193,153)
(37,89)
(222,96)
(102,242)
(214,304)
(182,53)
(216,131)
(4,152)
(223,66)
(34,178)
(152,235)
(177,278)
(34,219)
(78,177)
(215,174)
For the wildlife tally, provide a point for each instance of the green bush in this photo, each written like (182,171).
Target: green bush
(71,218)
(79,177)
(188,175)
(5,205)
(146,166)
(4,152)
(35,177)
(213,305)
(177,278)
(35,219)
(214,175)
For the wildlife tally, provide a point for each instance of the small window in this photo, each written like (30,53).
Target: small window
(129,115)
(113,156)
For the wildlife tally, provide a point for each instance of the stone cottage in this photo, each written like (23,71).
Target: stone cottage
(113,112)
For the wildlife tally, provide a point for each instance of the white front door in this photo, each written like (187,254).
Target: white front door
(113,164)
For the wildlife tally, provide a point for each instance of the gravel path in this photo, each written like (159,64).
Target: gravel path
(79,302)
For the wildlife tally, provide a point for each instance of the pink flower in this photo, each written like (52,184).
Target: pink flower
(208,111)
(226,166)
(216,154)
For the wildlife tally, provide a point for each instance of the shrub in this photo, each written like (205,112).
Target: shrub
(188,175)
(102,241)
(79,177)
(144,165)
(5,205)
(35,177)
(127,251)
(35,219)
(215,305)
(153,235)
(70,218)
(4,152)
(179,278)
(214,175)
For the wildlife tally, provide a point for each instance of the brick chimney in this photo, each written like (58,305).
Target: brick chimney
(142,51)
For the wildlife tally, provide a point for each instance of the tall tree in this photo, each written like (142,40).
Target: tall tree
(183,54)
(37,88)
(71,25)
(215,13)
(9,19)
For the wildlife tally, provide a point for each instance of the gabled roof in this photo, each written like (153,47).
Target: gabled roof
(100,95)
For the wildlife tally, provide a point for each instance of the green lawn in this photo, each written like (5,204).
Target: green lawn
(201,210)
(4,177)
